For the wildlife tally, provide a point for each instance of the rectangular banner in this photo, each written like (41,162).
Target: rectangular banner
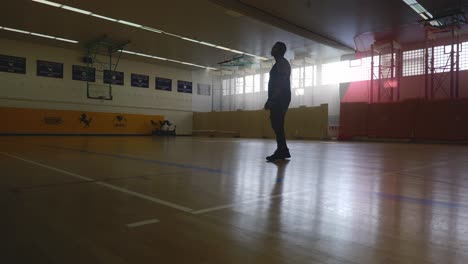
(12,64)
(204,89)
(184,87)
(113,77)
(82,73)
(141,81)
(50,69)
(163,84)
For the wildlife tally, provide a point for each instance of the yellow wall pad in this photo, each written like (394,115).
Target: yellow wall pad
(301,123)
(44,121)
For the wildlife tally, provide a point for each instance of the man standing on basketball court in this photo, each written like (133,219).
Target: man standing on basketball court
(279,97)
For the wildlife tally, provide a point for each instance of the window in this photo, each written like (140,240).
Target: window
(249,84)
(257,85)
(239,85)
(413,62)
(266,79)
(297,77)
(225,87)
(310,73)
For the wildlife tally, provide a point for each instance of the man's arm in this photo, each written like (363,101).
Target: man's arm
(284,73)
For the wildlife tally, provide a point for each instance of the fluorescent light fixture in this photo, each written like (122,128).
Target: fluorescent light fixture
(38,35)
(151,29)
(189,39)
(207,44)
(16,30)
(42,35)
(172,35)
(48,3)
(165,59)
(159,58)
(410,2)
(77,10)
(143,55)
(418,8)
(67,40)
(128,23)
(105,18)
(223,48)
(126,51)
(236,51)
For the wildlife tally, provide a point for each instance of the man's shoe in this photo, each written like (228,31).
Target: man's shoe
(279,155)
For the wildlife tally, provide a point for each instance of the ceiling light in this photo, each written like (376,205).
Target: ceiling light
(151,29)
(159,58)
(189,39)
(165,59)
(76,10)
(207,44)
(38,35)
(410,2)
(67,40)
(48,3)
(236,51)
(16,30)
(85,12)
(42,35)
(223,48)
(129,23)
(418,8)
(105,18)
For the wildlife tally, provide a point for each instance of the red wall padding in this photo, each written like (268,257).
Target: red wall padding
(412,119)
(354,122)
(443,120)
(391,120)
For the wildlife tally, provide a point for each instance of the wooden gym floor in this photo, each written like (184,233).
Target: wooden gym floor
(200,200)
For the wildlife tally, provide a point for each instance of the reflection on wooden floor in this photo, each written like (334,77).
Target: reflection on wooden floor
(201,200)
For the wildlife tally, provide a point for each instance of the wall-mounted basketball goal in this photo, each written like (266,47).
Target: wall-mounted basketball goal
(102,58)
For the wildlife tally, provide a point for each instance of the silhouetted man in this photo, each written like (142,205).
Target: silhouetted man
(279,97)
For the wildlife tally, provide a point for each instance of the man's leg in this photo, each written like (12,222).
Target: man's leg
(277,118)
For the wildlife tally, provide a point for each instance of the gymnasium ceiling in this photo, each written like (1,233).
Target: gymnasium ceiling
(320,29)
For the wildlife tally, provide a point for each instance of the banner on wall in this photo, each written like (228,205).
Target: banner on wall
(204,89)
(82,73)
(49,69)
(184,87)
(141,81)
(163,84)
(113,77)
(12,64)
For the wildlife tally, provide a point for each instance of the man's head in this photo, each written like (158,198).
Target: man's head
(278,50)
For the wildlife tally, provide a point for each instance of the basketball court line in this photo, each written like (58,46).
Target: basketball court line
(142,223)
(107,185)
(134,158)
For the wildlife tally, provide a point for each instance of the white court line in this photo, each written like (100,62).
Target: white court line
(264,198)
(141,223)
(110,186)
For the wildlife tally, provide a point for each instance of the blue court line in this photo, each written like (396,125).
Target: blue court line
(164,163)
(428,202)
